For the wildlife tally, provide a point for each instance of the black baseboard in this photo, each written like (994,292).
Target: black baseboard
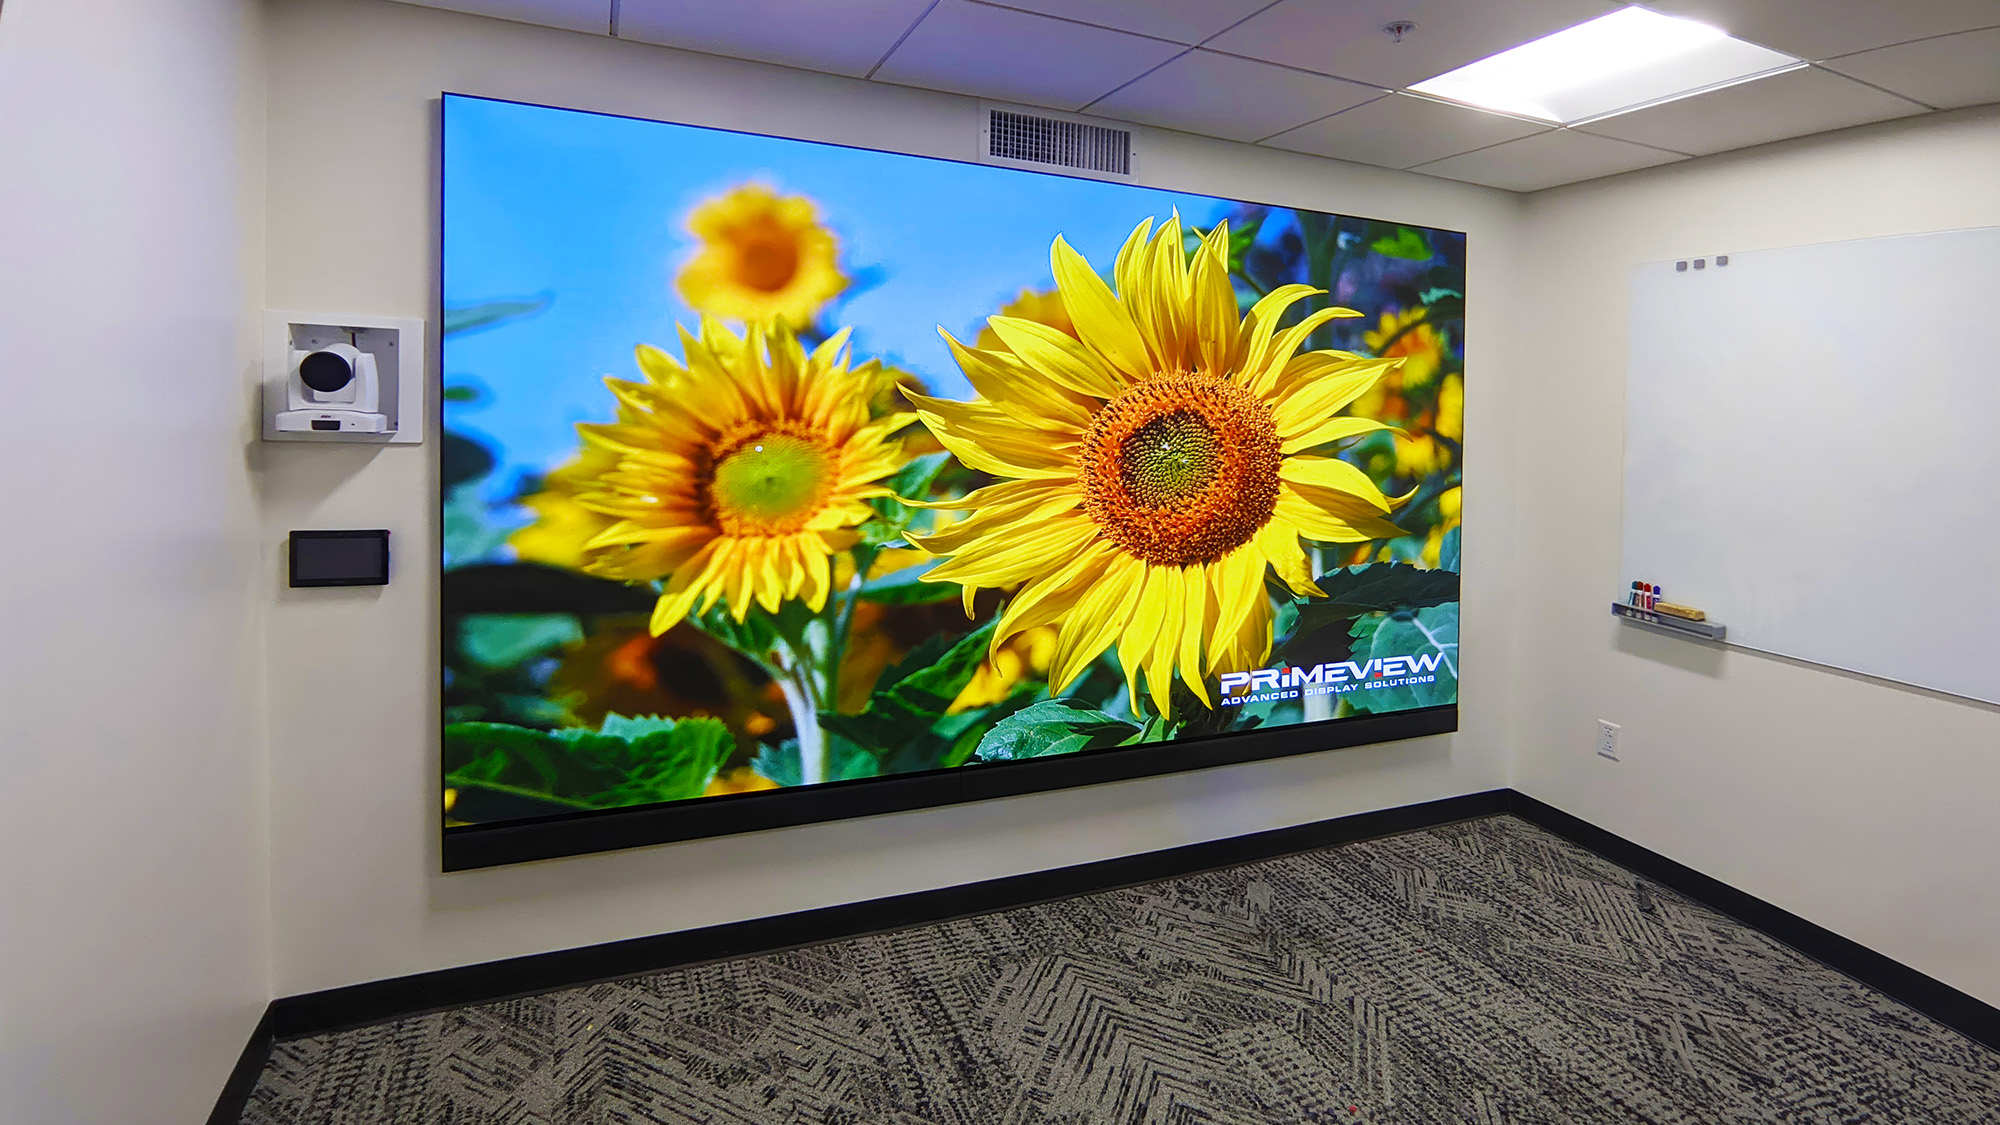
(1927,994)
(290,1017)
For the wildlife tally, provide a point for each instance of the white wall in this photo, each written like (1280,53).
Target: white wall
(352,675)
(1864,806)
(133,892)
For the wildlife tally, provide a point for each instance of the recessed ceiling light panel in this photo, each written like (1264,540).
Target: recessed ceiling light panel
(1615,63)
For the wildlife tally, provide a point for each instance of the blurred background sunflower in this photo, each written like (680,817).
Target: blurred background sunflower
(1155,465)
(763,258)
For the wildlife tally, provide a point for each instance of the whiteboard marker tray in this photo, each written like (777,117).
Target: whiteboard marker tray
(1704,630)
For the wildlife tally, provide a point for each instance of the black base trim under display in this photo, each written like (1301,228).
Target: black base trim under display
(474,846)
(292,1017)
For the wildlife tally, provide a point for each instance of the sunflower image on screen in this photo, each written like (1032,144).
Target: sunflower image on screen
(806,466)
(1153,467)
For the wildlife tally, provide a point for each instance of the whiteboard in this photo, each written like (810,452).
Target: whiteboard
(1812,452)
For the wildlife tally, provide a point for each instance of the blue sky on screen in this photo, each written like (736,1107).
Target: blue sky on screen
(592,211)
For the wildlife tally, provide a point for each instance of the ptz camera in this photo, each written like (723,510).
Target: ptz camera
(334,389)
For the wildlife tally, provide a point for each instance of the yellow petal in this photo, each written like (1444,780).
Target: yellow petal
(1001,521)
(1333,429)
(1043,600)
(1278,542)
(1238,579)
(1160,304)
(1021,555)
(1335,474)
(1160,663)
(1310,401)
(1103,611)
(1058,355)
(1214,300)
(1142,627)
(1126,271)
(1262,320)
(658,365)
(1100,320)
(1198,600)
(1262,371)
(686,585)
(1316,523)
(985,439)
(1007,382)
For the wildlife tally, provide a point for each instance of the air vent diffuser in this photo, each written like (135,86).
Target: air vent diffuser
(1014,137)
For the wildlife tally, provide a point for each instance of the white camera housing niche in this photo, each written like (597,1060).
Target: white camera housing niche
(343,378)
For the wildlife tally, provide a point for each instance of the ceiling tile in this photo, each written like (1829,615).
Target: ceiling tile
(1948,72)
(1792,104)
(1821,29)
(570,15)
(1401,130)
(1346,39)
(838,36)
(1183,21)
(1559,156)
(1224,96)
(990,52)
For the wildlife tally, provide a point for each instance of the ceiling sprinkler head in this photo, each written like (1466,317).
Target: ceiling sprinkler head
(1395,31)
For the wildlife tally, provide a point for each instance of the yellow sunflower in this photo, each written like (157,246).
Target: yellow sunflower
(763,258)
(1043,306)
(1154,466)
(1451,408)
(738,473)
(1410,336)
(562,526)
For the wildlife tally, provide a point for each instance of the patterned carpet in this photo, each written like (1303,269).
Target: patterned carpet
(1483,972)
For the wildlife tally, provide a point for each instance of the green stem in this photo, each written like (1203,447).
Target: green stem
(796,683)
(843,624)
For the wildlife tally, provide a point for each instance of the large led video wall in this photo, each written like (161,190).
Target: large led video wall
(784,481)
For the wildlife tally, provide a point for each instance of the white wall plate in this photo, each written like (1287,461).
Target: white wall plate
(401,350)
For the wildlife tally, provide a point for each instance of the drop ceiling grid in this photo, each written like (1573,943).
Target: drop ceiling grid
(1289,71)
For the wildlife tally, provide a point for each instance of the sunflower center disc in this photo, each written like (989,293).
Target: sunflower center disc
(1170,458)
(770,484)
(766,257)
(1181,469)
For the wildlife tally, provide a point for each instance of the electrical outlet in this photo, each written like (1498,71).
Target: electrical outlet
(1607,740)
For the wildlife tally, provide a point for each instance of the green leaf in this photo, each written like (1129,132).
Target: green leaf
(469,318)
(779,763)
(847,762)
(1448,551)
(631,729)
(1374,588)
(470,531)
(908,587)
(1407,244)
(912,696)
(914,479)
(672,764)
(498,640)
(1053,726)
(1433,629)
(627,762)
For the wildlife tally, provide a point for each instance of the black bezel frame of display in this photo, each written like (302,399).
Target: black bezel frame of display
(469,847)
